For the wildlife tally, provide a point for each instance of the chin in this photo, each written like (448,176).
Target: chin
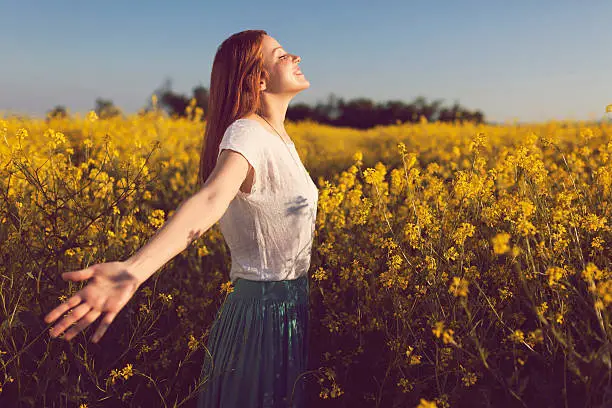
(305,84)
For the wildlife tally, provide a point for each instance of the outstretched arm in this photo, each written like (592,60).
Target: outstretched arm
(193,217)
(112,284)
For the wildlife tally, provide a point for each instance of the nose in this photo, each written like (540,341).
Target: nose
(297,58)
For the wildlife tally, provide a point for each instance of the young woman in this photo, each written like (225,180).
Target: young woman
(254,183)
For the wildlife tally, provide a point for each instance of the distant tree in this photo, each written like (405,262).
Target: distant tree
(432,110)
(450,114)
(59,111)
(200,94)
(391,112)
(172,103)
(105,108)
(361,113)
(299,111)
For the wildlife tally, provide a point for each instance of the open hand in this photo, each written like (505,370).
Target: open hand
(112,285)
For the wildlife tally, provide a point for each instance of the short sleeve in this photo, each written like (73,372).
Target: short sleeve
(243,138)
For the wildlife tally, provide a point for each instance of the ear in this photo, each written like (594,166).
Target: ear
(262,85)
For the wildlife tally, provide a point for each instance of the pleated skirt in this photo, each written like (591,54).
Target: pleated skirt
(258,347)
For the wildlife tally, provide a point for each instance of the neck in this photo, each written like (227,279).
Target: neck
(274,109)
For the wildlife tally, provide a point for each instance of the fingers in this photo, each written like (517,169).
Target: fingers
(106,321)
(78,275)
(61,309)
(88,319)
(75,315)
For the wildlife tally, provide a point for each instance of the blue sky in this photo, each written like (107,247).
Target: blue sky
(530,60)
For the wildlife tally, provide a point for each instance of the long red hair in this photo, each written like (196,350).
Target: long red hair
(234,91)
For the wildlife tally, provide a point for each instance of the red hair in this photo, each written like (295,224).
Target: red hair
(234,91)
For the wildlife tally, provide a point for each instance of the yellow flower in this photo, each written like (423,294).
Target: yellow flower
(534,337)
(22,133)
(593,223)
(193,342)
(555,273)
(227,287)
(608,108)
(438,329)
(402,148)
(447,337)
(127,372)
(500,243)
(92,116)
(405,385)
(597,243)
(166,298)
(604,291)
(465,230)
(423,403)
(203,251)
(478,141)
(591,272)
(525,227)
(451,254)
(517,336)
(320,274)
(374,175)
(541,310)
(156,219)
(459,287)
(144,309)
(469,379)
(586,133)
(181,310)
(410,161)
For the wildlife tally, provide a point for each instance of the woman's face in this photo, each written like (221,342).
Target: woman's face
(285,74)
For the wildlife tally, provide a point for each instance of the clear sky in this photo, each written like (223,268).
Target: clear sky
(525,59)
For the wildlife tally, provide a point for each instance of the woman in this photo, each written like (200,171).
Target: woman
(253,183)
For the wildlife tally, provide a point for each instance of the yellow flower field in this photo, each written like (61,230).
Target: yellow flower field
(453,264)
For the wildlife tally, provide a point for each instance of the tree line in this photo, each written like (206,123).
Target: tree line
(360,113)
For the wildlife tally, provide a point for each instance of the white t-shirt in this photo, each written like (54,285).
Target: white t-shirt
(270,230)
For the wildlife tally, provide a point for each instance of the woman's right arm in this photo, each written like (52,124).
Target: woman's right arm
(112,284)
(193,217)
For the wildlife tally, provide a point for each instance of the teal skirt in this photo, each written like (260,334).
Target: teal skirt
(258,347)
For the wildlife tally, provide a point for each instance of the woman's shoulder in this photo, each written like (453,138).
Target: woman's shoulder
(239,129)
(241,123)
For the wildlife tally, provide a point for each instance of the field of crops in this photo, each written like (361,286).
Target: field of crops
(454,265)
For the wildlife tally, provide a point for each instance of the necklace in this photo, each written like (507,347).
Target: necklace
(287,146)
(272,127)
